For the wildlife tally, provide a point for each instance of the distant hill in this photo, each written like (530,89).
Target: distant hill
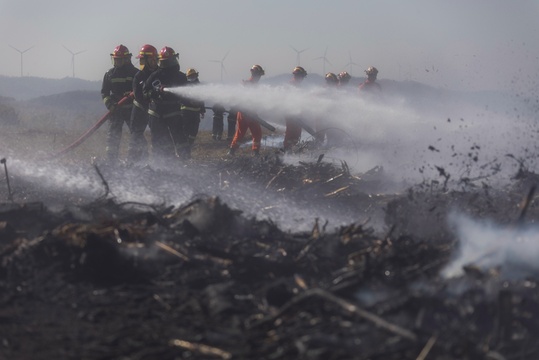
(78,100)
(29,87)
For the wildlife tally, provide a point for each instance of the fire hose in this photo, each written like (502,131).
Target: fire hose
(93,129)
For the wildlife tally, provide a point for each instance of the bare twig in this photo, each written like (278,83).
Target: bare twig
(525,204)
(105,184)
(428,346)
(315,235)
(171,250)
(346,305)
(335,192)
(274,178)
(201,348)
(9,193)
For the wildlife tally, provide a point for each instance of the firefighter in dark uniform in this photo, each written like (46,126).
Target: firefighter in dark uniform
(117,83)
(322,125)
(192,112)
(138,146)
(231,123)
(344,79)
(165,107)
(218,121)
(293,130)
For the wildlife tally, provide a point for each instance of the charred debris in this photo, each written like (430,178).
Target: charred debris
(104,279)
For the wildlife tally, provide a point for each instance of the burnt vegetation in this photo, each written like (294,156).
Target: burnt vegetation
(102,278)
(85,274)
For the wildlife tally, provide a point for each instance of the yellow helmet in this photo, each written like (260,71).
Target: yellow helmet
(257,70)
(191,73)
(371,71)
(298,70)
(331,78)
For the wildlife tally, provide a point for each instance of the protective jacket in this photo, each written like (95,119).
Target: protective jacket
(247,120)
(370,86)
(139,80)
(164,104)
(117,83)
(138,147)
(293,129)
(164,110)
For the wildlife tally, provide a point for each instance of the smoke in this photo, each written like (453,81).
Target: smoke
(511,250)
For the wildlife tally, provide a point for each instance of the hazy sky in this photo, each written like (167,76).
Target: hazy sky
(457,44)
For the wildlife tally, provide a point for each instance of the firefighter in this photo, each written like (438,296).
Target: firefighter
(332,81)
(192,112)
(165,108)
(117,83)
(344,79)
(218,121)
(370,85)
(248,119)
(293,129)
(231,123)
(138,146)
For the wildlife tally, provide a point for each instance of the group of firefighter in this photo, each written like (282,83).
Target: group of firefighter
(174,120)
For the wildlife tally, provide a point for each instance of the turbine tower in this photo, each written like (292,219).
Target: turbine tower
(222,64)
(351,63)
(324,61)
(21,52)
(298,52)
(73,57)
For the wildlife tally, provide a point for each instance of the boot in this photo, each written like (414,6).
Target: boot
(256,152)
(231,152)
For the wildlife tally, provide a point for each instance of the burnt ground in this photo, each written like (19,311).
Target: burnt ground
(105,279)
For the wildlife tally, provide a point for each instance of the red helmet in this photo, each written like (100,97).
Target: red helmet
(147,51)
(167,53)
(121,52)
(167,57)
(344,76)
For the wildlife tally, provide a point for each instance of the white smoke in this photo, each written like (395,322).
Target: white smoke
(511,250)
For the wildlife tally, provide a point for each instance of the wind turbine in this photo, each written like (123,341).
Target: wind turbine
(21,52)
(298,52)
(324,61)
(73,57)
(222,64)
(351,63)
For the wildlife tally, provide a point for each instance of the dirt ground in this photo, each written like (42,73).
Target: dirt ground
(102,279)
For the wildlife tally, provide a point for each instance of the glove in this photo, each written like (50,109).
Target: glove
(155,94)
(110,104)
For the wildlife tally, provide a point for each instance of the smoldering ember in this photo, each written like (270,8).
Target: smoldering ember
(101,279)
